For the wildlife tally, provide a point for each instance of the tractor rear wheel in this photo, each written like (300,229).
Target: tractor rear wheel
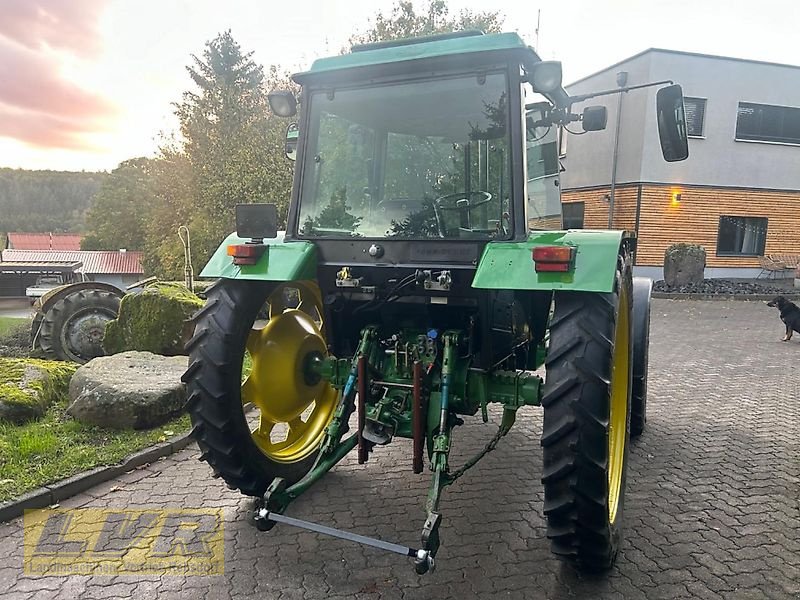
(73,327)
(587,403)
(253,344)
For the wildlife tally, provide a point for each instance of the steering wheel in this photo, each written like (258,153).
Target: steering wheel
(460,201)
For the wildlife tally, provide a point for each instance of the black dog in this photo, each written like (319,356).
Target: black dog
(790,315)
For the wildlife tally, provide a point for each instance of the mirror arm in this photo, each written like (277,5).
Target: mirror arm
(582,97)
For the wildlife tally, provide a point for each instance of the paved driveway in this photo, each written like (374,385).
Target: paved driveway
(712,507)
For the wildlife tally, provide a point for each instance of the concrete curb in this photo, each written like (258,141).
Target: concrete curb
(738,297)
(61,490)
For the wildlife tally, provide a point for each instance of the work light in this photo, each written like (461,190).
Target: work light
(282,103)
(546,76)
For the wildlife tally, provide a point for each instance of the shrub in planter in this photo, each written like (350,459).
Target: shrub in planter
(684,264)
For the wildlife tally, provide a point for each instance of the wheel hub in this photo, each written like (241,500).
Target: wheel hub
(281,351)
(294,402)
(83,334)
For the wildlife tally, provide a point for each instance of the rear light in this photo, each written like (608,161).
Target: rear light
(246,254)
(553,259)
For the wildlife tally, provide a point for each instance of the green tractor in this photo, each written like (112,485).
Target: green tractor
(423,275)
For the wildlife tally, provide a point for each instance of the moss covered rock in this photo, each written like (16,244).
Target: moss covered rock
(28,386)
(684,264)
(153,320)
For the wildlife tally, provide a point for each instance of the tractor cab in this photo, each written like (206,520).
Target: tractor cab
(422,141)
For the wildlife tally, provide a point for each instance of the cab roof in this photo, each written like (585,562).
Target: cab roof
(436,46)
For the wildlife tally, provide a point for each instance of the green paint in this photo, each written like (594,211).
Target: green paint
(418,51)
(283,261)
(509,265)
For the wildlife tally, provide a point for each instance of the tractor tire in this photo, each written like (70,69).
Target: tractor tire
(72,329)
(586,400)
(642,287)
(216,390)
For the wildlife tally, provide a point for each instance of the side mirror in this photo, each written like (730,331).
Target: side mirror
(282,103)
(292,133)
(594,118)
(672,123)
(256,221)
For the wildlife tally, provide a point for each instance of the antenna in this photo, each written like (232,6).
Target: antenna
(536,35)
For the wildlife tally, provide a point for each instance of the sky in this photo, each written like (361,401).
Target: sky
(86,84)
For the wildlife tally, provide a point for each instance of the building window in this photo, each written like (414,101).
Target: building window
(695,115)
(572,215)
(562,143)
(741,236)
(767,123)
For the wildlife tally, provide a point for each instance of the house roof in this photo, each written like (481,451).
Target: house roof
(38,267)
(94,261)
(43,241)
(681,53)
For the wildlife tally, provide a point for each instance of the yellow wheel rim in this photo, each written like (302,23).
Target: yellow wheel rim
(618,404)
(295,406)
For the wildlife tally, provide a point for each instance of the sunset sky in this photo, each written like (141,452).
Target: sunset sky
(85,84)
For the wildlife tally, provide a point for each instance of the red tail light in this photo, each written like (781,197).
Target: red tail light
(553,259)
(246,254)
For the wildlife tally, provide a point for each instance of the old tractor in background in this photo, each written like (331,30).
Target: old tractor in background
(422,276)
(70,320)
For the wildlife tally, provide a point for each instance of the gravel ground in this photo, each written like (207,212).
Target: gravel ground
(728,287)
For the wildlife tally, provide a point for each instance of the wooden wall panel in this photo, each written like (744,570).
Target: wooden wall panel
(695,219)
(595,214)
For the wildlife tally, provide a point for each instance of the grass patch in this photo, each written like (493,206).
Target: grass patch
(14,336)
(8,324)
(56,447)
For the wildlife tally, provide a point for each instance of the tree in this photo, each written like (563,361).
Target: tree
(404,21)
(45,200)
(231,153)
(116,217)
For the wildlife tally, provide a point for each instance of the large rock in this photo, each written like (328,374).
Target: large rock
(130,390)
(684,264)
(154,319)
(29,386)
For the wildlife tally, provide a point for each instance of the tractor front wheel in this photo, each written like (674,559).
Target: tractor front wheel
(587,406)
(252,347)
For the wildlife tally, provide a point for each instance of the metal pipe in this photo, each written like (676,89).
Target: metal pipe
(362,409)
(345,535)
(417,416)
(622,79)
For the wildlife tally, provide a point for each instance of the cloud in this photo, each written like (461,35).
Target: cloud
(38,105)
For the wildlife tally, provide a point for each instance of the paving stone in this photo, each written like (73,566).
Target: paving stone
(711,510)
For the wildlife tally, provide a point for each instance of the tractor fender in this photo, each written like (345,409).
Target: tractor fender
(510,266)
(54,295)
(282,261)
(642,288)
